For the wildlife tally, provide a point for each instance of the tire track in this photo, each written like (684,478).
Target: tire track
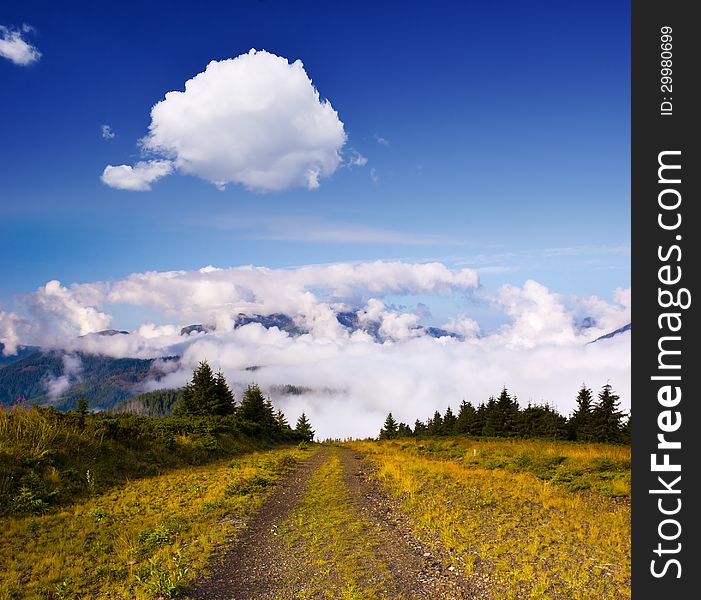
(275,559)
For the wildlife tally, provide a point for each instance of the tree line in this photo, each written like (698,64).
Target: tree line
(592,421)
(209,395)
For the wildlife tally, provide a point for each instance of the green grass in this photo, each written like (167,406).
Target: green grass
(506,510)
(50,459)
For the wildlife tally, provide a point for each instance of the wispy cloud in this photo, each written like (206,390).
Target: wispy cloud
(107,132)
(355,159)
(382,141)
(295,229)
(511,259)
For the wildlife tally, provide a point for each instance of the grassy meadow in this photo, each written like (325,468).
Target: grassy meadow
(538,519)
(126,508)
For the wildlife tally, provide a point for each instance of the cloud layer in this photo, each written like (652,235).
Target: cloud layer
(254,120)
(356,375)
(14,47)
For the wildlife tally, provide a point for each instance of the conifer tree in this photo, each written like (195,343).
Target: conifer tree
(479,423)
(197,395)
(449,420)
(537,421)
(255,408)
(580,423)
(81,410)
(465,419)
(606,417)
(223,402)
(507,414)
(419,428)
(389,429)
(269,419)
(435,425)
(490,418)
(281,421)
(304,428)
(403,430)
(627,435)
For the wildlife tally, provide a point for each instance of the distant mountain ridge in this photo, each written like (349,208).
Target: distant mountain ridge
(102,380)
(348,319)
(614,333)
(105,382)
(22,352)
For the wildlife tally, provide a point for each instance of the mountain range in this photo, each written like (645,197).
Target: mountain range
(41,376)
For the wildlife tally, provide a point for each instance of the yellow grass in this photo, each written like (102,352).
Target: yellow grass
(528,536)
(334,541)
(145,539)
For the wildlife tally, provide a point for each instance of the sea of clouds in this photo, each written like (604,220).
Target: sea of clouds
(542,354)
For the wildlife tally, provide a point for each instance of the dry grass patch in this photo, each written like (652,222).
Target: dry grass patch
(334,542)
(146,539)
(498,508)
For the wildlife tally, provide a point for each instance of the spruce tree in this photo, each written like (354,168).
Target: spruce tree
(223,402)
(479,423)
(627,436)
(403,430)
(255,408)
(389,429)
(435,425)
(81,410)
(303,429)
(465,419)
(419,428)
(507,414)
(580,423)
(197,396)
(490,417)
(607,418)
(541,421)
(449,420)
(281,421)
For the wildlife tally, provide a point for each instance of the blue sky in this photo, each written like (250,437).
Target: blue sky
(496,137)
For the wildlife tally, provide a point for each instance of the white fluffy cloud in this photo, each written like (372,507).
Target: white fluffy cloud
(537,315)
(254,120)
(66,308)
(463,325)
(215,296)
(54,314)
(14,47)
(541,354)
(137,178)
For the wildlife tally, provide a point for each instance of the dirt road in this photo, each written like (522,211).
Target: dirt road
(329,531)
